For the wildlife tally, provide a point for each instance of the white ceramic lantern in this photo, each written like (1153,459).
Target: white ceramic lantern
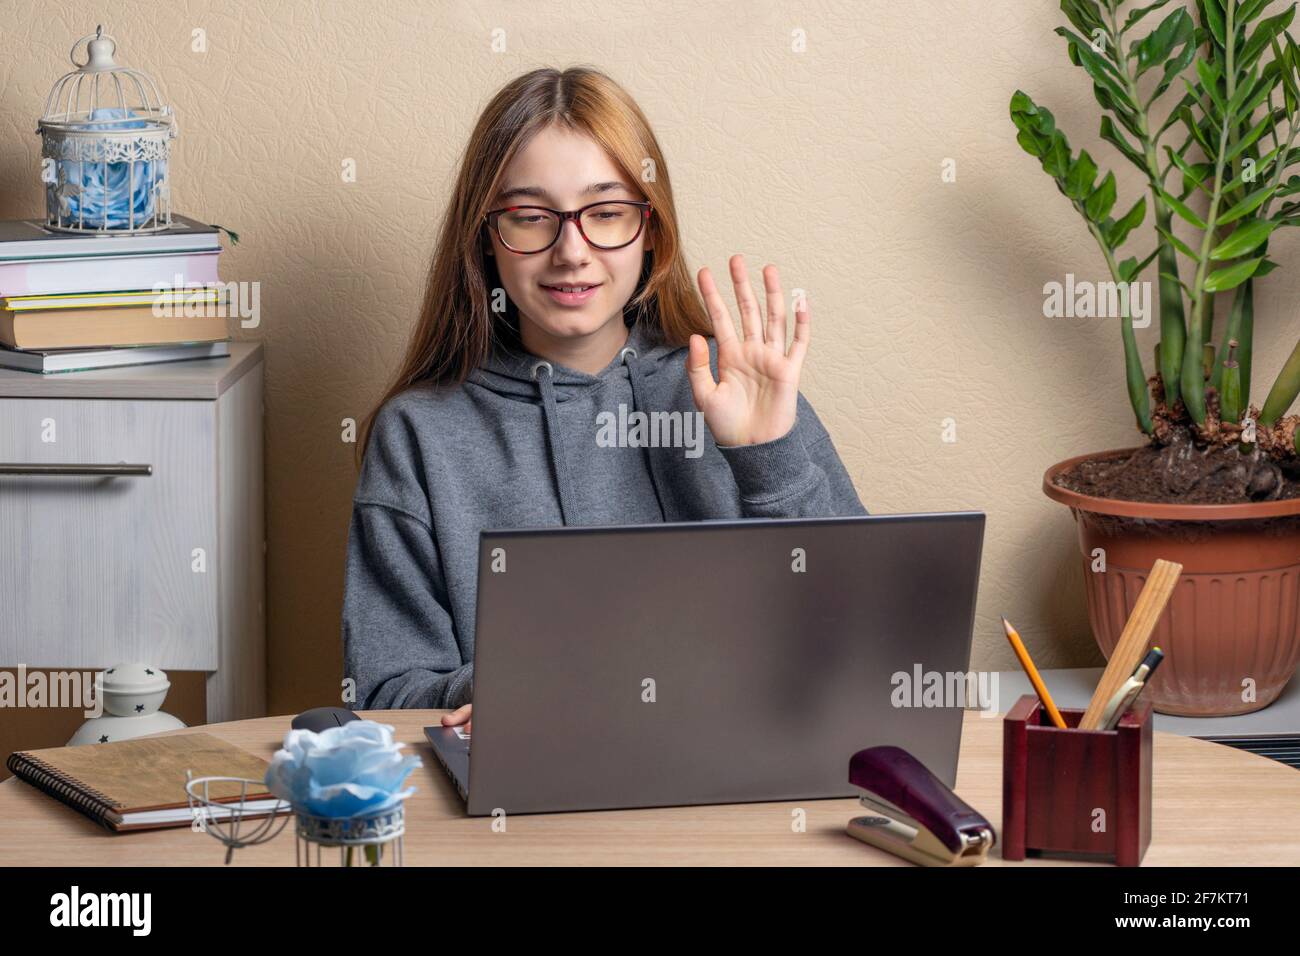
(106,138)
(132,694)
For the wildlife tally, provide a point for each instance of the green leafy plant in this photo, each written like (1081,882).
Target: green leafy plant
(1228,83)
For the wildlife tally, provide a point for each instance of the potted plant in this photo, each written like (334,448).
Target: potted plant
(1216,484)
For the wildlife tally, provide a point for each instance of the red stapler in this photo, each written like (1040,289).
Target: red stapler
(914,814)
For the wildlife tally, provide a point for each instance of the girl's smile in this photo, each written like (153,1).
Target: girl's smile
(572,293)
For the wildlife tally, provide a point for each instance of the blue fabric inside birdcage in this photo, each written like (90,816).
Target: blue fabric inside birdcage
(107,194)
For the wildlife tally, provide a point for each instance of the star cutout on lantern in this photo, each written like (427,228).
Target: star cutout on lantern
(139,707)
(103,738)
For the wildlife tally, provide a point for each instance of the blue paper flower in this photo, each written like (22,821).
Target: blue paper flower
(105,194)
(348,771)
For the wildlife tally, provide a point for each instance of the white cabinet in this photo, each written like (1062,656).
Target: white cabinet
(131,522)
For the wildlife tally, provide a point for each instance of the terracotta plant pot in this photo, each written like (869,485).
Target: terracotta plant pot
(1231,632)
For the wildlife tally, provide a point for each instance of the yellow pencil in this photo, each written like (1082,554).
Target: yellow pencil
(1039,687)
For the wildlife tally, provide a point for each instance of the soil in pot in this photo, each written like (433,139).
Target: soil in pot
(1182,473)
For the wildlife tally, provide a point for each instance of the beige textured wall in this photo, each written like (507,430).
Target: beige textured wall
(927,295)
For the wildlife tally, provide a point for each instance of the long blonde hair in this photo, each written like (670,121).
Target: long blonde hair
(457,329)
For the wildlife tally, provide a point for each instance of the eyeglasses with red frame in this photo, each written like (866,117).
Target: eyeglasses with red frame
(611,224)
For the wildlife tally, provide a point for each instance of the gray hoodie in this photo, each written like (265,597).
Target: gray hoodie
(514,449)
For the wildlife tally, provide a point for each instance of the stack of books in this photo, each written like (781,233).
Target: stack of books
(72,302)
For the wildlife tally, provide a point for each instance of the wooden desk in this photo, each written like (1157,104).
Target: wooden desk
(1213,805)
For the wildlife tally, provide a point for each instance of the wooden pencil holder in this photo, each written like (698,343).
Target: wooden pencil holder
(1075,794)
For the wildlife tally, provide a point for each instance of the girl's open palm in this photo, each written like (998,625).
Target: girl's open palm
(755,397)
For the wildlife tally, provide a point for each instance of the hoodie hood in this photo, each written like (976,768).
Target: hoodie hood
(518,374)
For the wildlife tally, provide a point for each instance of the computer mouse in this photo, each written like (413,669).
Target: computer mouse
(323,718)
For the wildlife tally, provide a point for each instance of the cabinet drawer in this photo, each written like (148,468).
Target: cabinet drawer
(98,569)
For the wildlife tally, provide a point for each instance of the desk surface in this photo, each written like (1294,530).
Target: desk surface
(1213,805)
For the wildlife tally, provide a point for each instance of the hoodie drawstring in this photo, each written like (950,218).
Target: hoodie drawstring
(554,440)
(559,461)
(634,376)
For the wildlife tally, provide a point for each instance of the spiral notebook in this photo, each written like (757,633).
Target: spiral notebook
(140,784)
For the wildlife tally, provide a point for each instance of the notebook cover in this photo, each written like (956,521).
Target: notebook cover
(105,328)
(50,361)
(121,273)
(108,300)
(147,773)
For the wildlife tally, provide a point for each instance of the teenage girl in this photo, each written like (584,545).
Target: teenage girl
(558,320)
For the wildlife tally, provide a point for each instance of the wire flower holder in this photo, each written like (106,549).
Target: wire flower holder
(106,140)
(374,840)
(225,821)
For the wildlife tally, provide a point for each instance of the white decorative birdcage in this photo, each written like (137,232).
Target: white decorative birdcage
(106,139)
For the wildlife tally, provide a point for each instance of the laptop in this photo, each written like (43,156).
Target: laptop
(706,662)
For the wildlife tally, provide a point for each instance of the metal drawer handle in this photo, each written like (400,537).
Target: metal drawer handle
(120,470)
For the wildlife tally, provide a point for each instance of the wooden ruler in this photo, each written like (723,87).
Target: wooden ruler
(1132,645)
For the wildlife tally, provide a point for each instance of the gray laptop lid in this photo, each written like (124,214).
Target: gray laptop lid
(713,661)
